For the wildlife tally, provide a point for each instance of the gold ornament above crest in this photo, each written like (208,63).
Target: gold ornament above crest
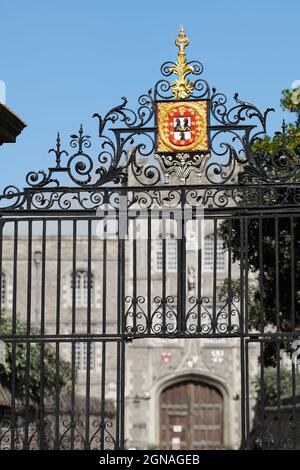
(182,88)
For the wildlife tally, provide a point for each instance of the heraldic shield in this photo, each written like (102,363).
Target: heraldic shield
(182,137)
(182,126)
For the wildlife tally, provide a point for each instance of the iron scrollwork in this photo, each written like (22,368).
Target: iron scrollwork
(128,142)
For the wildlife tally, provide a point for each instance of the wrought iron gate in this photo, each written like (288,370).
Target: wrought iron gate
(99,252)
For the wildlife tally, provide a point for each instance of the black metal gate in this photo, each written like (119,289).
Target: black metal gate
(97,253)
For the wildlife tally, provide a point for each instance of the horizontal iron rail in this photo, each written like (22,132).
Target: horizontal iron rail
(90,214)
(128,338)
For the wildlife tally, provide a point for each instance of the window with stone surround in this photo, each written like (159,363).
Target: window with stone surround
(3,289)
(209,254)
(171,255)
(81,356)
(82,286)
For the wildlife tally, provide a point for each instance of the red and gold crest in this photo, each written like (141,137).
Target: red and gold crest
(182,126)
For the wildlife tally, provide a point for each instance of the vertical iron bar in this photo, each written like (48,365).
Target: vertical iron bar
(13,394)
(57,394)
(102,406)
(58,278)
(89,273)
(215,267)
(1,275)
(199,276)
(278,393)
(43,279)
(73,365)
(277,274)
(230,296)
(121,321)
(261,273)
(181,268)
(293,326)
(57,332)
(246,278)
(149,300)
(42,345)
(14,332)
(29,277)
(134,274)
(104,277)
(244,396)
(123,223)
(164,276)
(294,405)
(122,393)
(118,397)
(103,361)
(120,405)
(28,328)
(89,344)
(247,391)
(292,248)
(262,387)
(15,279)
(74,277)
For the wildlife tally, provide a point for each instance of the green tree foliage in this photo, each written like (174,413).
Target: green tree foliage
(290,101)
(270,384)
(34,375)
(273,247)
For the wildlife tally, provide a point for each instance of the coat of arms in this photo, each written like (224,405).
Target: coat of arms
(182,127)
(182,135)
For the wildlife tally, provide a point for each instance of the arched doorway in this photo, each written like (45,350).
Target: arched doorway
(191,416)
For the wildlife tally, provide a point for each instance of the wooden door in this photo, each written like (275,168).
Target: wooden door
(191,417)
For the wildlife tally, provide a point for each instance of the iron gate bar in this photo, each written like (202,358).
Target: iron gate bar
(28,327)
(214,319)
(199,290)
(134,277)
(246,400)
(230,296)
(293,319)
(103,370)
(209,215)
(277,271)
(164,276)
(246,274)
(261,286)
(149,254)
(279,438)
(244,397)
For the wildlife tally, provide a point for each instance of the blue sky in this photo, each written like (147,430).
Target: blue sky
(63,60)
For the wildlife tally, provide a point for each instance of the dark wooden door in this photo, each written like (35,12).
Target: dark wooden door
(191,416)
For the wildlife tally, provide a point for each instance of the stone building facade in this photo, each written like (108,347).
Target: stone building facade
(162,373)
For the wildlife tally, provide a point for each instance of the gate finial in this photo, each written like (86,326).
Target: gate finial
(182,41)
(182,87)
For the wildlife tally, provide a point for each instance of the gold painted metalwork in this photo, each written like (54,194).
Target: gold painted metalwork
(182,88)
(196,108)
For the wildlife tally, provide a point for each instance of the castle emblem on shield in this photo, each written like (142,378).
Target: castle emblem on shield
(182,128)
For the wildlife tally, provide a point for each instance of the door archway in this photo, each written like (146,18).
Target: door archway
(191,416)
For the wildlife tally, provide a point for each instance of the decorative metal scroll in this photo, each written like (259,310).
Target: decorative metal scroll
(72,435)
(128,143)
